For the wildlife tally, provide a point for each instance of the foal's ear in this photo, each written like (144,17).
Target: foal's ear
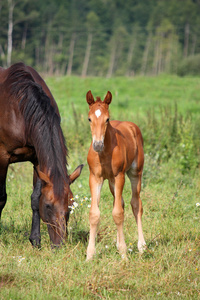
(44,178)
(90,98)
(108,98)
(76,173)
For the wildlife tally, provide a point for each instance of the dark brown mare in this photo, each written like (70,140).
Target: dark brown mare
(30,131)
(116,150)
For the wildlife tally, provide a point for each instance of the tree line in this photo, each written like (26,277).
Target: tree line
(102,37)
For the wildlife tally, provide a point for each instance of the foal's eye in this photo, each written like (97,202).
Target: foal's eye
(89,120)
(107,120)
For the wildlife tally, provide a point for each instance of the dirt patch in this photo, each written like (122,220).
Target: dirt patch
(6,280)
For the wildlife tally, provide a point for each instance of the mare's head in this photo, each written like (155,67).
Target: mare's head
(98,117)
(54,207)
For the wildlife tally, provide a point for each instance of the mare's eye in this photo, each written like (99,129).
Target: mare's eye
(107,120)
(48,211)
(89,120)
(48,206)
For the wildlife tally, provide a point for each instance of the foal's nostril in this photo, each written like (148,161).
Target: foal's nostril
(98,146)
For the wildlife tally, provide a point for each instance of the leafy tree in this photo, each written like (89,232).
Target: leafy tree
(100,37)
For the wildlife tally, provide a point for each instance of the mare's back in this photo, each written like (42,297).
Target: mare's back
(11,121)
(38,79)
(3,74)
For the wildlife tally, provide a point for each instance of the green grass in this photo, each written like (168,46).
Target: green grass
(137,95)
(170,268)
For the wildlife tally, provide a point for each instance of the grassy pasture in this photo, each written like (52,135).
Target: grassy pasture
(167,109)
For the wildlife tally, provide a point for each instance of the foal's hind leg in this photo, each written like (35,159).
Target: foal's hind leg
(112,189)
(35,238)
(136,204)
(118,212)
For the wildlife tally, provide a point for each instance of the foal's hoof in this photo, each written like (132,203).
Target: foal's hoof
(90,254)
(124,257)
(142,247)
(89,257)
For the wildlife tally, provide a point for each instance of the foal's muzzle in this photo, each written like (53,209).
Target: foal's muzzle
(98,146)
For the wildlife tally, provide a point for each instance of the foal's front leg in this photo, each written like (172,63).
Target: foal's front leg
(118,213)
(94,215)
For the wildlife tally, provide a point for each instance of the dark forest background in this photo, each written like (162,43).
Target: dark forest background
(102,37)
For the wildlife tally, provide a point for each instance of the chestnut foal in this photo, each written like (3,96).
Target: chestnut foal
(116,149)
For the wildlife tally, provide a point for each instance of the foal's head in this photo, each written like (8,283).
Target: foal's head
(99,118)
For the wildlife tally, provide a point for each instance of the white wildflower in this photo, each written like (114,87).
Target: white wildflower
(19,259)
(75,204)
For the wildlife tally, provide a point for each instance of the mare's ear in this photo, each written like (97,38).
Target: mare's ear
(44,178)
(76,173)
(108,98)
(90,98)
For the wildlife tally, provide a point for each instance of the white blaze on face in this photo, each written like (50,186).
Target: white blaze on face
(98,113)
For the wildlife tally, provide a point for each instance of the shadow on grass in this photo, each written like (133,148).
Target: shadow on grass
(79,236)
(12,233)
(6,280)
(13,229)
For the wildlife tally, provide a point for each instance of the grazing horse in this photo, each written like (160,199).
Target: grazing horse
(116,150)
(30,131)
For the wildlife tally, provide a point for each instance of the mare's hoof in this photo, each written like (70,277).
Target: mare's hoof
(36,243)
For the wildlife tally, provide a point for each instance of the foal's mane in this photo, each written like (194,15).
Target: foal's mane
(98,99)
(42,125)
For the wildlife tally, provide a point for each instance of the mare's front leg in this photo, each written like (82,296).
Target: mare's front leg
(3,195)
(94,215)
(35,237)
(118,213)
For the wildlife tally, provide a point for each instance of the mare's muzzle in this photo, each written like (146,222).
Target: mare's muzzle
(98,146)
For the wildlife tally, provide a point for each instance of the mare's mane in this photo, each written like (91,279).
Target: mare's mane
(42,124)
